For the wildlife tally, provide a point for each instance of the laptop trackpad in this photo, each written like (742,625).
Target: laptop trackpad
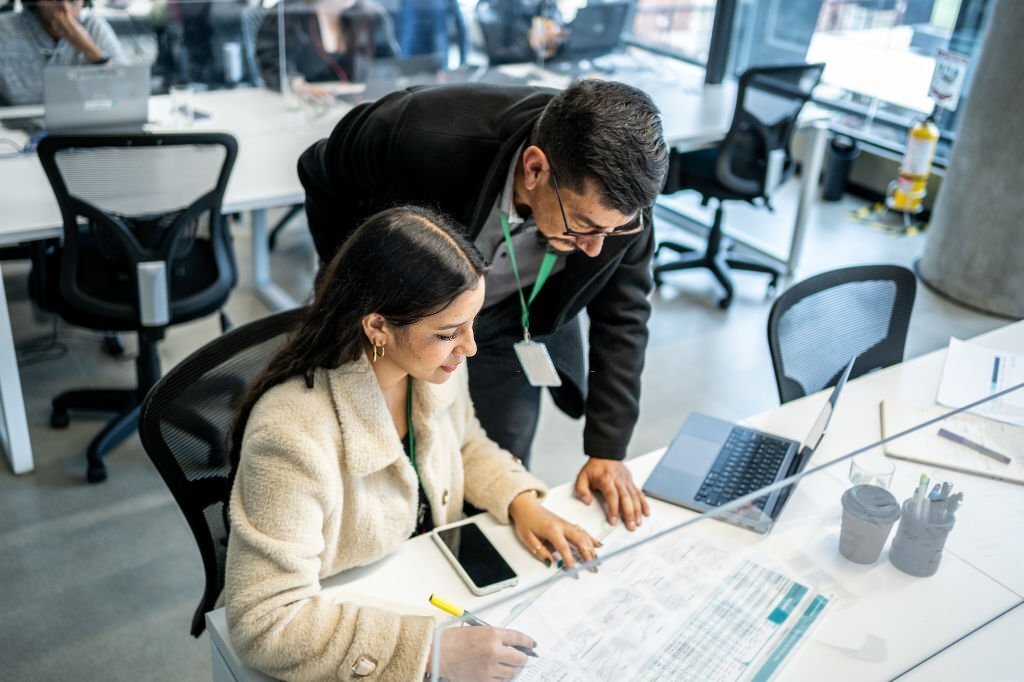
(682,470)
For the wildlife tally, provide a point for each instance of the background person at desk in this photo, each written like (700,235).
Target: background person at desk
(572,174)
(325,41)
(49,33)
(322,484)
(512,32)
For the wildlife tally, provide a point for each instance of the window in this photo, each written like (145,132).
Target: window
(879,54)
(679,27)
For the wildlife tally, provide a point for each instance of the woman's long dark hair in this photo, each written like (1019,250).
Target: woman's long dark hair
(404,263)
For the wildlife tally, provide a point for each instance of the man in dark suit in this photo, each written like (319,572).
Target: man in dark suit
(556,191)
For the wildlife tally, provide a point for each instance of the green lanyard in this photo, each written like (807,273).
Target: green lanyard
(546,266)
(412,431)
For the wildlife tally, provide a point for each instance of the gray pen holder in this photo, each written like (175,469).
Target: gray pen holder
(917,547)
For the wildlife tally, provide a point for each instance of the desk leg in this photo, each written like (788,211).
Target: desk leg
(273,296)
(808,193)
(13,421)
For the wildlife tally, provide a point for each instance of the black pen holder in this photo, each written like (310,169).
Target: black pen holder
(917,548)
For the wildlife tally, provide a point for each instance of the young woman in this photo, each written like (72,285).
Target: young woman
(360,434)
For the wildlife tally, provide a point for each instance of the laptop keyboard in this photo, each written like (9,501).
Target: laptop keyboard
(749,460)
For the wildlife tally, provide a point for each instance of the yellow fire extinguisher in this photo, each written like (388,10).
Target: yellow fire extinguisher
(906,193)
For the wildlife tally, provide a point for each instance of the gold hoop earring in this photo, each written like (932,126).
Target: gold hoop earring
(378,352)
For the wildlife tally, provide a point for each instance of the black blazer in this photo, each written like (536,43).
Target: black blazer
(450,147)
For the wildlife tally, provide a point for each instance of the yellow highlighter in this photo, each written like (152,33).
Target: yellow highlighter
(460,612)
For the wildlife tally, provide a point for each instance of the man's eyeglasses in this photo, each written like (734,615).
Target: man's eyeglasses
(632,227)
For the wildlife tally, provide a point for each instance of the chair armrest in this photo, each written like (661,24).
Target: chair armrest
(775,172)
(154,300)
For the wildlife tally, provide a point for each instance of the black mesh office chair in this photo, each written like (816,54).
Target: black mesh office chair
(275,232)
(750,163)
(817,325)
(145,246)
(185,424)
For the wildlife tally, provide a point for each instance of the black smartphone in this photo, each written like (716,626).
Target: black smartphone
(476,560)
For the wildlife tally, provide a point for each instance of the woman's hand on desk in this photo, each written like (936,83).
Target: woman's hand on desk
(313,92)
(542,531)
(481,653)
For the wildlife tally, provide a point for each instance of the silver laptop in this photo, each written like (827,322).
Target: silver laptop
(109,98)
(711,462)
(596,31)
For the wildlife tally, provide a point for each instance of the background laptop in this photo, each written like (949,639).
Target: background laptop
(711,462)
(596,31)
(108,98)
(384,76)
(398,67)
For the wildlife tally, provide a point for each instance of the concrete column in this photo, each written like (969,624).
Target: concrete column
(975,248)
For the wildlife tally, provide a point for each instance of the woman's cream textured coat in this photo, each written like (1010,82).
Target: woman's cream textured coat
(323,486)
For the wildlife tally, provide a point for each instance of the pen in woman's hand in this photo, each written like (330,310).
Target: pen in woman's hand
(460,612)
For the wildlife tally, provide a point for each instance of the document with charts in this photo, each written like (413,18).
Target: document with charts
(674,609)
(973,372)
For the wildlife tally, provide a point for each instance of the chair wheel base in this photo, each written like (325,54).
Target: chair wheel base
(96,473)
(113,345)
(59,420)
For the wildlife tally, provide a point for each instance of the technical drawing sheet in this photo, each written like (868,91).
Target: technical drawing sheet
(674,609)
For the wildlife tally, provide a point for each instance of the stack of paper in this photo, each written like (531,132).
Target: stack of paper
(674,609)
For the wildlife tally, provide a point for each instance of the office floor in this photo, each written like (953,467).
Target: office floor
(100,581)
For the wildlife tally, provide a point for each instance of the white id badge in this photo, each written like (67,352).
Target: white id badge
(537,365)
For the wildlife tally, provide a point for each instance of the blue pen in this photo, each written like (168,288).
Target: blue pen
(947,487)
(977,447)
(995,373)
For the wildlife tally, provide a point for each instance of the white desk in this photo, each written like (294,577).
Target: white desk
(270,139)
(882,622)
(992,653)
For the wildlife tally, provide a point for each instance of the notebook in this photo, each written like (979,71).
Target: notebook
(927,447)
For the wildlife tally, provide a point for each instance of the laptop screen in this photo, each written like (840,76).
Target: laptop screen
(597,29)
(81,97)
(817,431)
